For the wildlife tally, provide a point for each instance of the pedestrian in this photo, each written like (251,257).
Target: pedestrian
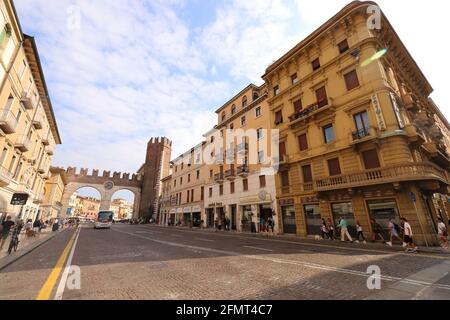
(270,225)
(443,234)
(324,230)
(343,225)
(216,224)
(6,228)
(360,235)
(262,225)
(330,228)
(37,226)
(411,246)
(394,232)
(376,228)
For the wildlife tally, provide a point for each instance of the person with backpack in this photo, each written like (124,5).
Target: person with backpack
(394,232)
(443,234)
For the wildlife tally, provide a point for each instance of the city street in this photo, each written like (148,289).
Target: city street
(147,262)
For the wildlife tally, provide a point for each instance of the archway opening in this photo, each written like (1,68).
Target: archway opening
(84,204)
(123,204)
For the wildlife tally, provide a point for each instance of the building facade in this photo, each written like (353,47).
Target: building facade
(53,192)
(122,209)
(28,130)
(359,137)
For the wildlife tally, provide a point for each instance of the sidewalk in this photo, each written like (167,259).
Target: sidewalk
(26,245)
(292,238)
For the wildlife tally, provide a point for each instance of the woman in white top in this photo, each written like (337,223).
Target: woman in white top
(408,237)
(443,233)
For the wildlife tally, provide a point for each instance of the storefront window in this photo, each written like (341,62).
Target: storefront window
(289,224)
(246,218)
(313,219)
(345,211)
(382,211)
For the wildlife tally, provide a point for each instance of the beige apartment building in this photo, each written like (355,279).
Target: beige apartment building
(360,137)
(241,184)
(28,130)
(53,192)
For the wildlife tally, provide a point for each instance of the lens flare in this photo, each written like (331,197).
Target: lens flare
(375,57)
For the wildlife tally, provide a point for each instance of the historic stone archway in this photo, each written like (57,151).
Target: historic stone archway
(106,185)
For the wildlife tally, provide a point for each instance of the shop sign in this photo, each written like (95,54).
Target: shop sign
(173,211)
(314,199)
(398,114)
(378,113)
(286,202)
(180,210)
(196,209)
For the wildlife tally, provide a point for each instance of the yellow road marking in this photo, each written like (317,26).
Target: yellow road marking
(47,288)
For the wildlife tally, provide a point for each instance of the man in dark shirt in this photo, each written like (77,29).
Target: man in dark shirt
(7,225)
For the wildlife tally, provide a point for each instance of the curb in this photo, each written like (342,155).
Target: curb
(8,260)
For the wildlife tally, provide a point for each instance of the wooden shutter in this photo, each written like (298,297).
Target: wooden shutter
(351,80)
(303,142)
(298,106)
(334,167)
(307,174)
(278,117)
(321,95)
(282,150)
(262,181)
(316,64)
(245,184)
(232,187)
(285,178)
(371,160)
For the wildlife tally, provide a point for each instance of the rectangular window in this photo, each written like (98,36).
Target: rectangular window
(245,184)
(243,121)
(261,157)
(19,114)
(351,80)
(192,195)
(298,106)
(362,121)
(262,181)
(3,156)
(307,174)
(9,102)
(188,197)
(284,178)
(371,160)
(19,168)
(258,112)
(303,142)
(231,187)
(334,167)
(259,133)
(12,164)
(221,190)
(198,174)
(315,64)
(328,133)
(276,90)
(189,177)
(21,71)
(175,183)
(321,96)
(294,78)
(211,173)
(278,117)
(343,46)
(181,181)
(282,150)
(202,196)
(210,192)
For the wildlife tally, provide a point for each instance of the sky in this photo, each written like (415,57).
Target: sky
(122,71)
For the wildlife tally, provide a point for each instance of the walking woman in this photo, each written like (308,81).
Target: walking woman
(330,228)
(360,231)
(443,234)
(324,230)
(412,248)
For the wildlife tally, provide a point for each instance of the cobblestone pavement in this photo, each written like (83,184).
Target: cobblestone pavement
(143,262)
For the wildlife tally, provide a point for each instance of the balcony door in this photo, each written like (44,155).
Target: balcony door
(362,124)
(322,98)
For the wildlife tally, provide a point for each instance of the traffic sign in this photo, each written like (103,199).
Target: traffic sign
(19,199)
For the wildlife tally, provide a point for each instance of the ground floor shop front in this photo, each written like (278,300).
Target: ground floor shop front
(303,215)
(188,216)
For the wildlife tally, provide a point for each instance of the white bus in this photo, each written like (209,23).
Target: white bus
(104,220)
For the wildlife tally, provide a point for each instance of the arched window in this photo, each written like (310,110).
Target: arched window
(233,109)
(244,101)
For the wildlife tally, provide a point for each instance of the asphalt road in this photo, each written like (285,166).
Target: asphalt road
(147,262)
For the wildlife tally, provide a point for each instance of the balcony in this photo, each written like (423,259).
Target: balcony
(409,102)
(45,140)
(23,143)
(219,178)
(438,153)
(435,132)
(26,100)
(8,122)
(5,177)
(242,148)
(415,134)
(422,119)
(363,135)
(394,174)
(38,199)
(243,170)
(37,123)
(230,154)
(219,158)
(44,168)
(230,174)
(312,111)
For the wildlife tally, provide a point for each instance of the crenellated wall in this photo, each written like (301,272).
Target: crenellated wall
(92,177)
